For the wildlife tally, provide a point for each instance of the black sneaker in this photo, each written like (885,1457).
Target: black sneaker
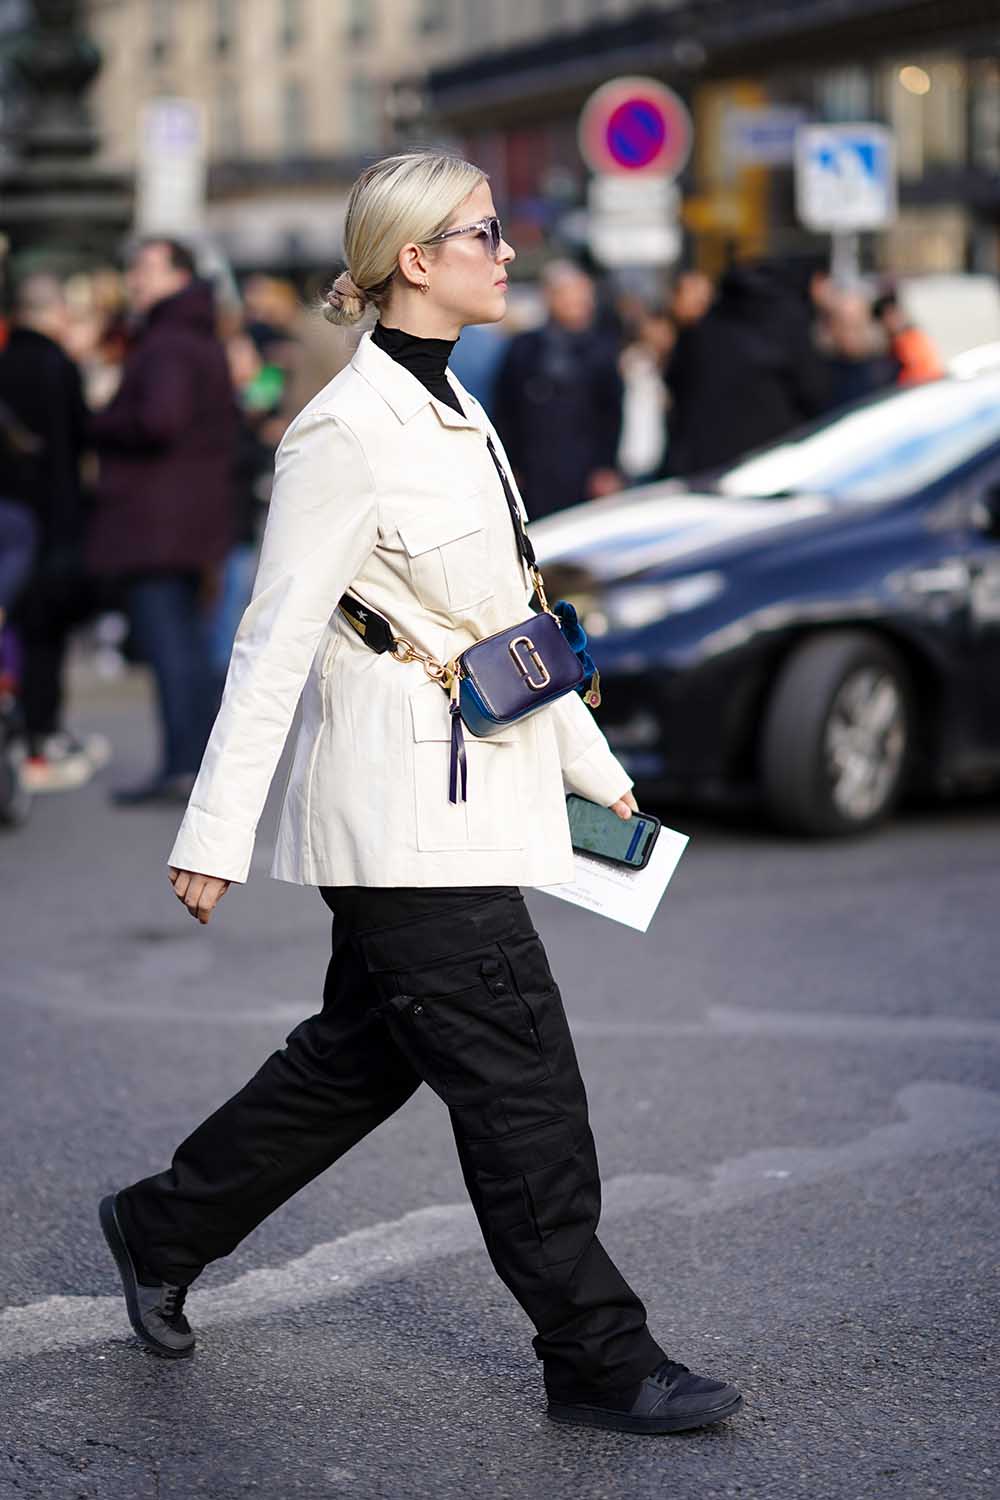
(671,1399)
(155,1308)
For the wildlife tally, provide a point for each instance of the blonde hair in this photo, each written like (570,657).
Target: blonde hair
(394,201)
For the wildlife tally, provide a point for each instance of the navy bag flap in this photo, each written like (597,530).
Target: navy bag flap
(527,665)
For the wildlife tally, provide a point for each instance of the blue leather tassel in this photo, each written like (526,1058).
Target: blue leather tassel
(458,761)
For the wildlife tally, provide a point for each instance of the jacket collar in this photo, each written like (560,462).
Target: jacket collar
(404,393)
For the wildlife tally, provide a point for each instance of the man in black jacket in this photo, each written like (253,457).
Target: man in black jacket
(41,387)
(744,374)
(558,403)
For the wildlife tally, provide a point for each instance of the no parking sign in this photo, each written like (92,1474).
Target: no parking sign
(634,125)
(635,135)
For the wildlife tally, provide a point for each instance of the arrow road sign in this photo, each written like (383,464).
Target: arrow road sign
(845,177)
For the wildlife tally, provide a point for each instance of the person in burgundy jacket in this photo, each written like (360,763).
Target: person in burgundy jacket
(165,506)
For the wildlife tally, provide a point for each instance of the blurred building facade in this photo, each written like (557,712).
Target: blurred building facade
(295,96)
(298,94)
(930,69)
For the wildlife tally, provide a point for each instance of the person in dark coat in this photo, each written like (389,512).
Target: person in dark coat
(744,374)
(41,388)
(18,528)
(558,400)
(164,519)
(861,362)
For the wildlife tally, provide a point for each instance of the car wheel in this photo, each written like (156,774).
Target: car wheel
(836,735)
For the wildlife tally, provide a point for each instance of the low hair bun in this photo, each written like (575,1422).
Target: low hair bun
(345,302)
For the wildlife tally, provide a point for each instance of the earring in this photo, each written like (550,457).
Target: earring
(425,286)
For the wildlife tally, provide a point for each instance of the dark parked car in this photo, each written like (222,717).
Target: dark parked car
(817,626)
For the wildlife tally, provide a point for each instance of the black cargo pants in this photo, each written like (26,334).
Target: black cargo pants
(450,987)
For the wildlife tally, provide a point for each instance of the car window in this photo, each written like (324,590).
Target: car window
(889,447)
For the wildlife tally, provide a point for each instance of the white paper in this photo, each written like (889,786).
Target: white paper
(615,891)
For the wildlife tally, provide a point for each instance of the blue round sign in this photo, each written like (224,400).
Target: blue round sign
(635,133)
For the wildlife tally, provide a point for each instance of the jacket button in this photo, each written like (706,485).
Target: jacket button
(417,1010)
(500,988)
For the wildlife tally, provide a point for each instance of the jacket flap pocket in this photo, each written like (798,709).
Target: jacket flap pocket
(437,528)
(432,721)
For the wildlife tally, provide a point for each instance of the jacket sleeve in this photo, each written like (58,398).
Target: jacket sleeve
(156,402)
(589,767)
(321,527)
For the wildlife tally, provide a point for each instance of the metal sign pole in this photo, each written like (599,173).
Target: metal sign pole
(845,183)
(635,135)
(845,257)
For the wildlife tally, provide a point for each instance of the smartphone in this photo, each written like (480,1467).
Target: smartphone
(598,831)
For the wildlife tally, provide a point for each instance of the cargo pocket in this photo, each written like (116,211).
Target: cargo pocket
(492,817)
(448,557)
(465,1028)
(564,1202)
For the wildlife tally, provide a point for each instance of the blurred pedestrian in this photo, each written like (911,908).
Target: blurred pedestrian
(319,354)
(912,349)
(164,519)
(743,374)
(18,526)
(858,349)
(644,426)
(41,387)
(393,484)
(257,402)
(271,312)
(691,297)
(559,399)
(476,361)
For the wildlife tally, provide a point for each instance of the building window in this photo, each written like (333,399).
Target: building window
(161,29)
(290,30)
(927,99)
(361,123)
(984,147)
(228,127)
(225,26)
(433,15)
(844,95)
(294,124)
(360,20)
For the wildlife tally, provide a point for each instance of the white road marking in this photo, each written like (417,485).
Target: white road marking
(731,1020)
(78,995)
(939,1117)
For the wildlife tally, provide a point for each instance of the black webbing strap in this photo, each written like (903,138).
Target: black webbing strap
(373,628)
(524,546)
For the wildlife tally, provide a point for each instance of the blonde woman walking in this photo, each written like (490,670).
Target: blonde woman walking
(393,484)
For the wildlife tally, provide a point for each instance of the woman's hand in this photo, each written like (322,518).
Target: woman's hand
(200,893)
(625,806)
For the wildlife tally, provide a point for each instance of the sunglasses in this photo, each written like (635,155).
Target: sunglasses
(489,228)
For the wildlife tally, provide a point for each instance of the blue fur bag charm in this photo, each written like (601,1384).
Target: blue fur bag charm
(576,639)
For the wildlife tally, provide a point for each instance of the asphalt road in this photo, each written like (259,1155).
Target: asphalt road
(795,1091)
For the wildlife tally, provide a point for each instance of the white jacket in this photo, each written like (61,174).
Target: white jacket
(381,487)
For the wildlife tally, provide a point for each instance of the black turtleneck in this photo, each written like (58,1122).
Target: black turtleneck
(427,359)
